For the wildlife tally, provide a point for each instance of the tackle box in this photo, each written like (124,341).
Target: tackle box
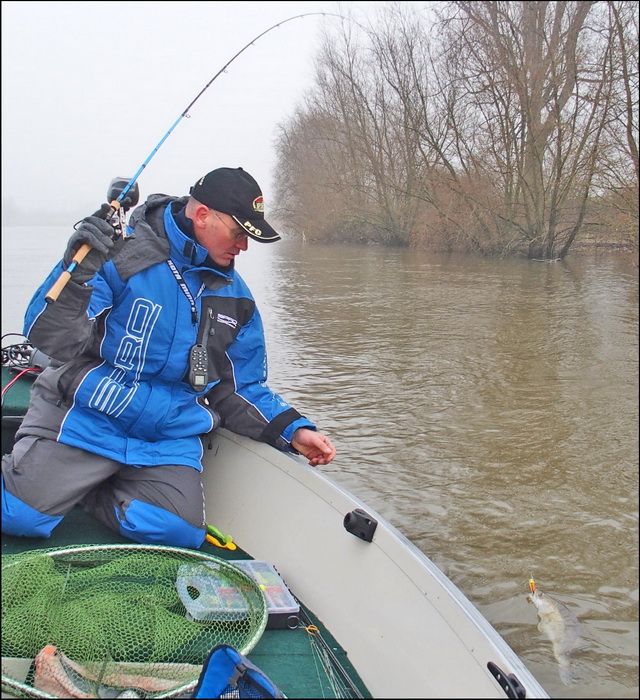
(208,595)
(282,607)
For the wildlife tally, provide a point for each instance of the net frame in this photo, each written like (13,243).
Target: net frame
(22,689)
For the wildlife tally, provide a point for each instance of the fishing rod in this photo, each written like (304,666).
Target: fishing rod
(122,193)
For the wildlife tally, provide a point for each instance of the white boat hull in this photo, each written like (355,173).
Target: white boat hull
(407,629)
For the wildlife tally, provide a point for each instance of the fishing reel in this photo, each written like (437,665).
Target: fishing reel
(115,212)
(117,186)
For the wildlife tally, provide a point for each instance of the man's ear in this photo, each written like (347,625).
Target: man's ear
(199,214)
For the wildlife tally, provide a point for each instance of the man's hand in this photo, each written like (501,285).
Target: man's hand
(97,233)
(316,447)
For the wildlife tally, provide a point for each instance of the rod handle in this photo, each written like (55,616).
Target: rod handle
(79,256)
(65,276)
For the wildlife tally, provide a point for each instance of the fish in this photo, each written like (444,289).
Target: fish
(561,627)
(60,677)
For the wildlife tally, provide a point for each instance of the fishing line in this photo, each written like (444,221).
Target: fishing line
(185,113)
(118,204)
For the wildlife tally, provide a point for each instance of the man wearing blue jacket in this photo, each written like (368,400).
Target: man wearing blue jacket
(155,341)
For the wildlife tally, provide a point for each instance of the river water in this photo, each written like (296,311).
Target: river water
(486,408)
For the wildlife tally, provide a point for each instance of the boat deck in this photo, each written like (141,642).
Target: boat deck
(287,656)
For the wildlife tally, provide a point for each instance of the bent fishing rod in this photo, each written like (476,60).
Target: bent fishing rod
(123,194)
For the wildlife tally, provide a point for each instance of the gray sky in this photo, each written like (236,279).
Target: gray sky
(90,88)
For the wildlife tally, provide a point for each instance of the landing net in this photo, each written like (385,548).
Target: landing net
(121,620)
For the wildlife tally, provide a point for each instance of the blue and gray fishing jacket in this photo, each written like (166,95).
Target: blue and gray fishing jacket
(119,384)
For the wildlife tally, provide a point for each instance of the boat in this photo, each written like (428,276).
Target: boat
(390,623)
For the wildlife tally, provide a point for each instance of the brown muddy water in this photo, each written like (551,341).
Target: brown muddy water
(486,408)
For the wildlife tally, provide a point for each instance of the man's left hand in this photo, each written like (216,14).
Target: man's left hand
(316,447)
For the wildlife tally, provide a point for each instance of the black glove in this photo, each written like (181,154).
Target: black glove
(97,233)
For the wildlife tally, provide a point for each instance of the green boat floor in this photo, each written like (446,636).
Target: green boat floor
(287,656)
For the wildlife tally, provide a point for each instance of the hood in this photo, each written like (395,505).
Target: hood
(148,244)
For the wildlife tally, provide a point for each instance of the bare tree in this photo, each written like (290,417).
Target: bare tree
(360,158)
(533,75)
(498,131)
(617,176)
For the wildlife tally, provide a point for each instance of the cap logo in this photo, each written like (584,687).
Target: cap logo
(251,228)
(258,204)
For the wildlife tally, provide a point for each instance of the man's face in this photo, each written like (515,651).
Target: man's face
(222,237)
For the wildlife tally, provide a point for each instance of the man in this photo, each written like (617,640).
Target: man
(155,341)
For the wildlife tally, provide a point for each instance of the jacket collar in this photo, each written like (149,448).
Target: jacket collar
(186,252)
(157,237)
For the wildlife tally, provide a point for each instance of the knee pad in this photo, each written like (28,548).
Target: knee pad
(149,524)
(20,519)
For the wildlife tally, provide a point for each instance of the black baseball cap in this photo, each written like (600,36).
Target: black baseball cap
(234,192)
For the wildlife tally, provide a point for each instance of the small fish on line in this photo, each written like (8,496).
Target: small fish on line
(561,627)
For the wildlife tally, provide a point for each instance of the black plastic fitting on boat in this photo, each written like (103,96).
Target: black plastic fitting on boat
(508,682)
(359,523)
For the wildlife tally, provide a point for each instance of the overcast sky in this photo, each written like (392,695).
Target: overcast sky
(90,88)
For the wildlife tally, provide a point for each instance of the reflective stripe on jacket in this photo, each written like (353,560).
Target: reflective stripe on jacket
(121,351)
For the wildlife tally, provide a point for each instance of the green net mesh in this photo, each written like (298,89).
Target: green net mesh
(120,620)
